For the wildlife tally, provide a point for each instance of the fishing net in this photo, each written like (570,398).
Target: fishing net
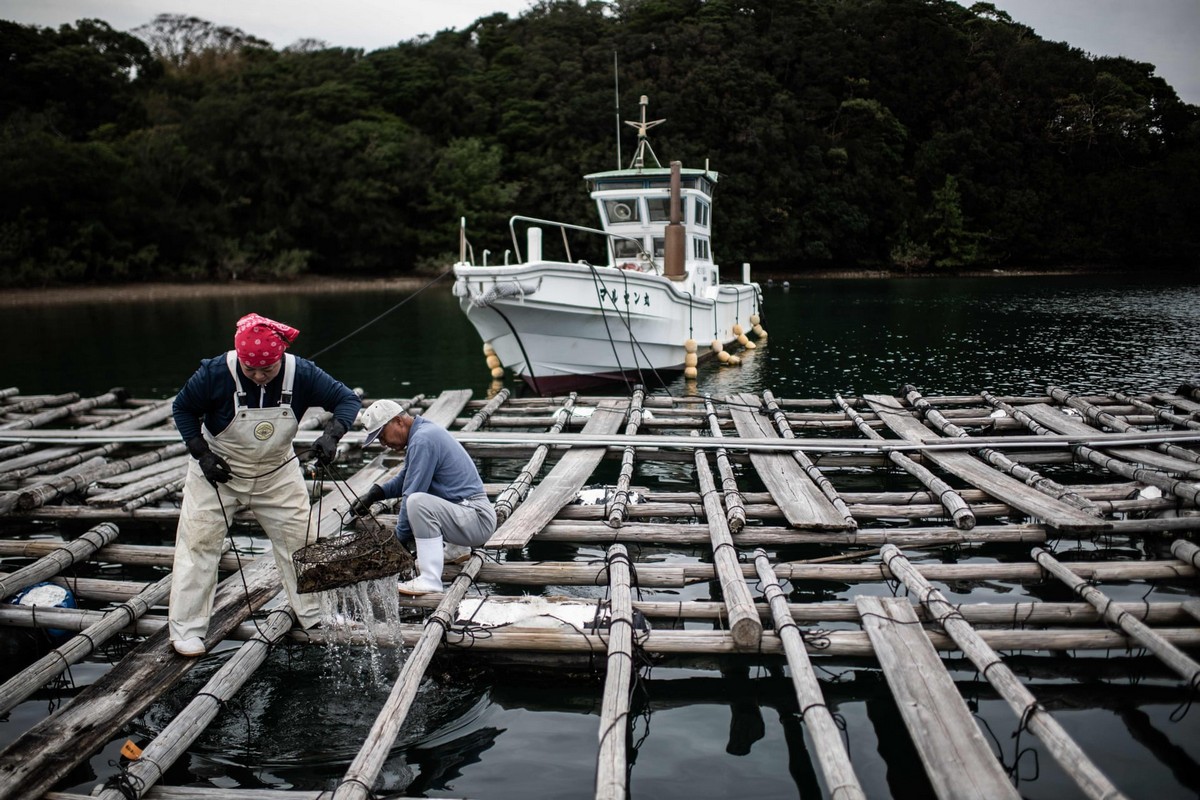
(368,552)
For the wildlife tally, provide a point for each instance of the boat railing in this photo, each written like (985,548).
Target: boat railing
(563,227)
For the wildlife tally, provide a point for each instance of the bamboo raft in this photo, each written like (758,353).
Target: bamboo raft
(769,507)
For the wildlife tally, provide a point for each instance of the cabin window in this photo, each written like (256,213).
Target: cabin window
(702,212)
(619,211)
(660,246)
(659,208)
(700,249)
(625,248)
(619,184)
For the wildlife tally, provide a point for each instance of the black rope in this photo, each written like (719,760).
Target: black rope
(130,786)
(370,792)
(1018,753)
(1184,707)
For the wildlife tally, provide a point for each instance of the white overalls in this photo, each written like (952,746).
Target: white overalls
(255,444)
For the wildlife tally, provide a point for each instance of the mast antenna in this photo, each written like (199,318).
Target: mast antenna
(639,158)
(617,97)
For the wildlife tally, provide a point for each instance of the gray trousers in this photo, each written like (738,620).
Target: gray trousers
(469,522)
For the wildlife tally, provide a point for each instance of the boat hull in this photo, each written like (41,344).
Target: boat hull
(561,326)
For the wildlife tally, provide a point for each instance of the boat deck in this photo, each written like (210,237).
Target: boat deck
(922,535)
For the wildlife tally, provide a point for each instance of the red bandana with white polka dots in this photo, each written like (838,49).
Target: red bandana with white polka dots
(261,342)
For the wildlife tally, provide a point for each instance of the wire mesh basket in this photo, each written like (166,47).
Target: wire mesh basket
(368,552)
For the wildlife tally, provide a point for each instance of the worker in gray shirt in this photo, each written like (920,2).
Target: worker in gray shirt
(442,498)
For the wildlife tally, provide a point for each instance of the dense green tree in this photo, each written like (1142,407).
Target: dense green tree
(916,134)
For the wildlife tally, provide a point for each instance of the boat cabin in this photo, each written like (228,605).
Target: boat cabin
(634,206)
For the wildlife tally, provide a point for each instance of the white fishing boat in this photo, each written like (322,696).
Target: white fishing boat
(634,314)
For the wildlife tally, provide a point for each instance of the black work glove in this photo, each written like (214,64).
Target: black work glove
(362,505)
(325,447)
(215,468)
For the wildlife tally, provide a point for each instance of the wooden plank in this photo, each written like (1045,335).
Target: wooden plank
(185,728)
(802,502)
(971,469)
(446,408)
(1059,422)
(45,753)
(562,484)
(1029,712)
(957,759)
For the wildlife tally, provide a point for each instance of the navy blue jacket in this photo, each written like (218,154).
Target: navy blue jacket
(207,397)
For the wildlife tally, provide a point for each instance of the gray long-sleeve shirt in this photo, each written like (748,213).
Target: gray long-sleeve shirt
(434,463)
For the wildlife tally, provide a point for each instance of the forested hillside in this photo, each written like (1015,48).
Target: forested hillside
(897,134)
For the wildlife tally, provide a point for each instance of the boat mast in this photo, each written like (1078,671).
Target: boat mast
(617,97)
(639,157)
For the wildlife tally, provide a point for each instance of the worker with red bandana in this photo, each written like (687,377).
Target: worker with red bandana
(238,415)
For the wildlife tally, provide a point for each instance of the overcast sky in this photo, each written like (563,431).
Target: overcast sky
(1165,33)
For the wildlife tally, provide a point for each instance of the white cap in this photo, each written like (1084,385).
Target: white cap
(380,413)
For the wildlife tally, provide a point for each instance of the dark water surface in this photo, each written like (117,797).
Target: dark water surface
(1007,335)
(712,730)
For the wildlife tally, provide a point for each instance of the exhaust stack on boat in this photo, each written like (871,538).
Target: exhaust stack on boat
(673,247)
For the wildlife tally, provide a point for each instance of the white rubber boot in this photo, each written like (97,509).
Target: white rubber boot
(429,562)
(189,647)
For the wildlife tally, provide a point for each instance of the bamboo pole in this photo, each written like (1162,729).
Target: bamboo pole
(660,642)
(508,500)
(63,412)
(1144,636)
(614,440)
(49,666)
(51,564)
(1029,711)
(840,779)
(612,772)
(1186,551)
(72,480)
(685,534)
(735,513)
(805,462)
(1187,490)
(176,471)
(46,753)
(35,403)
(142,554)
(360,777)
(482,416)
(1029,477)
(166,490)
(744,623)
(1099,417)
(173,740)
(52,459)
(1159,414)
(960,512)
(1003,614)
(616,512)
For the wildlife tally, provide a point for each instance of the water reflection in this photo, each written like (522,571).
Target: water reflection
(299,722)
(1009,335)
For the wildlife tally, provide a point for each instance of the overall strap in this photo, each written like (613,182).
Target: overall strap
(239,396)
(289,378)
